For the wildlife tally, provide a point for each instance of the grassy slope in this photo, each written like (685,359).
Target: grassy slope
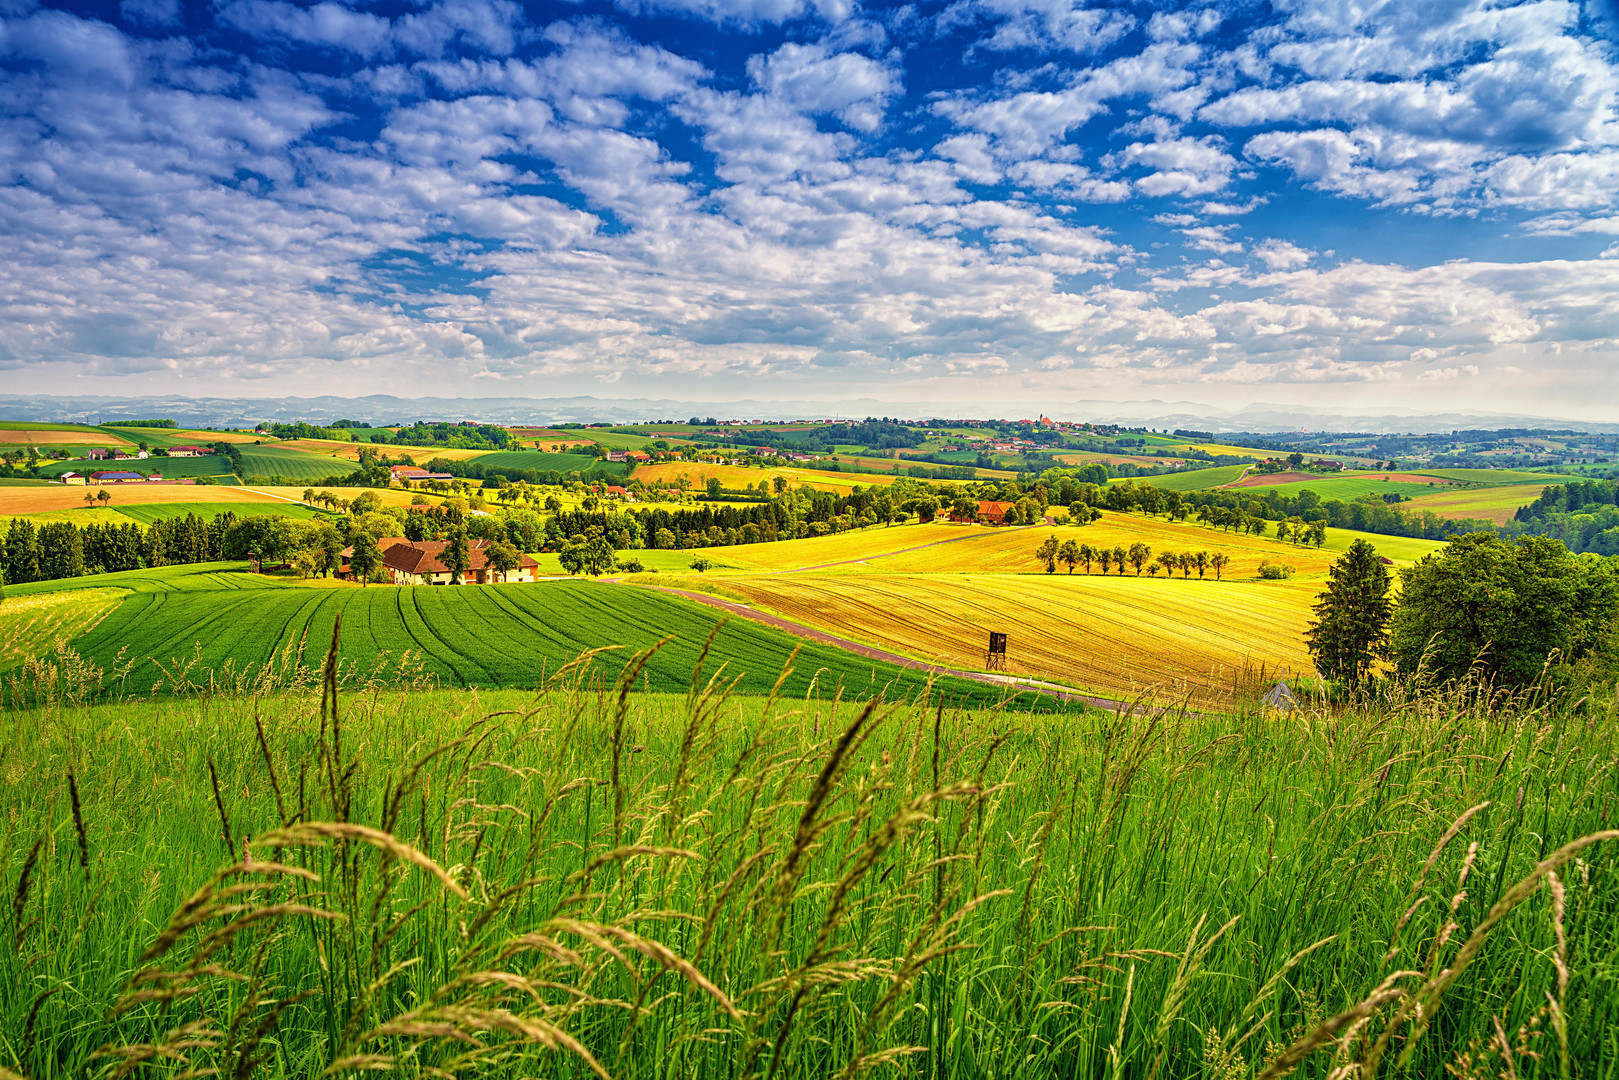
(292,464)
(146,513)
(474,635)
(1344,487)
(208,465)
(1193,479)
(543,461)
(1114,635)
(1267,840)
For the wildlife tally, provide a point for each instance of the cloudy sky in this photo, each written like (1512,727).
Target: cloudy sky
(986,202)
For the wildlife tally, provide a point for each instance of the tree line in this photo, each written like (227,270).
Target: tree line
(1582,515)
(1507,612)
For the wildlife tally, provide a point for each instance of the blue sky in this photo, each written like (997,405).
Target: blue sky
(990,204)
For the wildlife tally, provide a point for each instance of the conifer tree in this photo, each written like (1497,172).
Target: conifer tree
(1352,616)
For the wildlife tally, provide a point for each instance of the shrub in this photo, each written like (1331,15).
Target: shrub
(1271,571)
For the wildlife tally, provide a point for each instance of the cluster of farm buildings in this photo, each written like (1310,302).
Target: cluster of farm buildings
(420,562)
(123,476)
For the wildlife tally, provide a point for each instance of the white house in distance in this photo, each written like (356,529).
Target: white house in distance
(415,474)
(190,451)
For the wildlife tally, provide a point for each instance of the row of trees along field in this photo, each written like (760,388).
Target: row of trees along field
(30,552)
(1504,612)
(1582,515)
(1139,556)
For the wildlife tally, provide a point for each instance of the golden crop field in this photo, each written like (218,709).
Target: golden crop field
(1115,635)
(981,549)
(1402,549)
(841,547)
(32,500)
(58,437)
(1496,504)
(32,625)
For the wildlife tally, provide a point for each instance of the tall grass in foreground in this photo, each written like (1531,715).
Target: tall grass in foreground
(585,881)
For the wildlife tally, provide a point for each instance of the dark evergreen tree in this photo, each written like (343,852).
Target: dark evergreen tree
(1352,616)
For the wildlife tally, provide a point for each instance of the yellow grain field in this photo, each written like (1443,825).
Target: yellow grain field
(861,544)
(32,625)
(1115,635)
(1011,550)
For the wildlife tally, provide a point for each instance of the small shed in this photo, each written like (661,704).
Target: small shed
(1279,697)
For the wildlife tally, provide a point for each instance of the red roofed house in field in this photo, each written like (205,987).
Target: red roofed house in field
(190,451)
(989,513)
(416,562)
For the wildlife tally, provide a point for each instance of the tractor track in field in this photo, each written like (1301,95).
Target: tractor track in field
(871,652)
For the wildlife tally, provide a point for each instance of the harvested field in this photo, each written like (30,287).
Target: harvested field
(350,451)
(1272,479)
(32,500)
(58,437)
(1118,636)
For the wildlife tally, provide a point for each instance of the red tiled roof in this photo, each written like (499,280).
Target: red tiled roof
(421,556)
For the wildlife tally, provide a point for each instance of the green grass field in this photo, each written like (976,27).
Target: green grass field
(146,513)
(1345,487)
(179,467)
(508,885)
(542,461)
(189,577)
(292,464)
(1398,548)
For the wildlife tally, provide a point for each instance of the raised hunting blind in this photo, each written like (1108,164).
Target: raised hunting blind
(995,658)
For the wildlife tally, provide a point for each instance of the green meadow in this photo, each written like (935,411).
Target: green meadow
(580,880)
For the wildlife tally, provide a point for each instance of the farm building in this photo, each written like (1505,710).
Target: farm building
(416,562)
(71,478)
(189,451)
(989,513)
(113,476)
(415,474)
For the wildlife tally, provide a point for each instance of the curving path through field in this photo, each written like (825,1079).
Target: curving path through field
(872,653)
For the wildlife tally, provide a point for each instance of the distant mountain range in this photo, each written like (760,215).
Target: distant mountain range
(386,409)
